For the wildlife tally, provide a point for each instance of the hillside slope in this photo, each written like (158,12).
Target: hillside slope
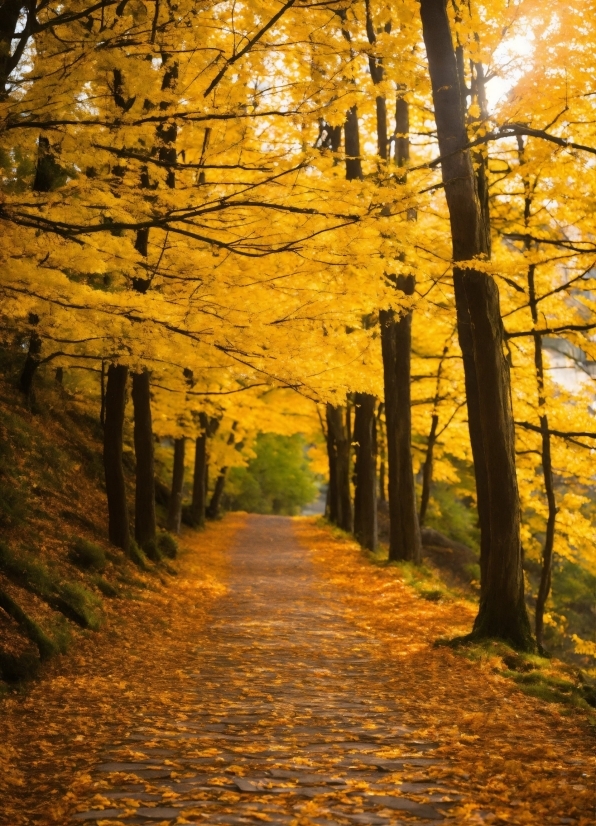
(59,576)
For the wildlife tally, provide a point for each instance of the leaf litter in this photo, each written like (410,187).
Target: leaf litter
(266,684)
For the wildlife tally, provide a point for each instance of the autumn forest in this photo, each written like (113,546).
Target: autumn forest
(255,253)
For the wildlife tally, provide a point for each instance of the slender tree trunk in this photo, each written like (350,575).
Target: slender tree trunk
(337,426)
(29,370)
(547,469)
(404,530)
(175,506)
(145,528)
(118,528)
(502,611)
(365,472)
(199,492)
(332,504)
(352,145)
(102,390)
(427,469)
(381,448)
(215,503)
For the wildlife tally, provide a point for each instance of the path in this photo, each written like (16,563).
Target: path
(293,720)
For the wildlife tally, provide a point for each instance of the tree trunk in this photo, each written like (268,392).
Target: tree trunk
(175,506)
(502,611)
(145,529)
(547,469)
(332,504)
(404,530)
(337,428)
(214,504)
(381,449)
(32,362)
(427,469)
(365,472)
(352,144)
(102,390)
(199,492)
(118,529)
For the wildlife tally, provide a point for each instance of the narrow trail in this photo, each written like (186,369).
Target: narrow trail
(292,710)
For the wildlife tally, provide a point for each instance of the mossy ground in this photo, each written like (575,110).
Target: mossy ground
(56,564)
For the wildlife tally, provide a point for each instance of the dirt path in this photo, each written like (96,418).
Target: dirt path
(291,714)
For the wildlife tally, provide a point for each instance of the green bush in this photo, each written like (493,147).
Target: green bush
(277,480)
(88,555)
(451,514)
(82,602)
(106,588)
(167,545)
(26,571)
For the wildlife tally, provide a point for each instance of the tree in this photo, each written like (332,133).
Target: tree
(118,530)
(502,606)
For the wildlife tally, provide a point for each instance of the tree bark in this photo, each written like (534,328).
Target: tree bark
(332,504)
(352,144)
(365,472)
(118,528)
(381,449)
(215,503)
(337,428)
(102,390)
(547,470)
(145,526)
(427,469)
(32,362)
(199,491)
(175,506)
(396,335)
(502,611)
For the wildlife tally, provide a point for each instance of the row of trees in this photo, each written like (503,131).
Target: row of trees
(217,201)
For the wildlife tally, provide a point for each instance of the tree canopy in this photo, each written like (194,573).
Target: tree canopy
(238,200)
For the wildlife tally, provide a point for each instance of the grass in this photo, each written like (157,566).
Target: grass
(550,680)
(70,598)
(88,556)
(31,629)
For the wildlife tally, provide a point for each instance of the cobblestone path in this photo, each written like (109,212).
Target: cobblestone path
(293,720)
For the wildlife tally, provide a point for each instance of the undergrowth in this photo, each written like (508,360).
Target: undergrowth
(58,573)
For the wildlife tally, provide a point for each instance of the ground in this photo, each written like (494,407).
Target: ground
(282,677)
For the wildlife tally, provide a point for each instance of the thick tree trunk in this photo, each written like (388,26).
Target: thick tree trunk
(337,428)
(175,506)
(404,530)
(145,528)
(199,490)
(215,503)
(118,528)
(502,611)
(365,472)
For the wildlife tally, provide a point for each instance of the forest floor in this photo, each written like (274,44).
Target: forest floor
(281,677)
